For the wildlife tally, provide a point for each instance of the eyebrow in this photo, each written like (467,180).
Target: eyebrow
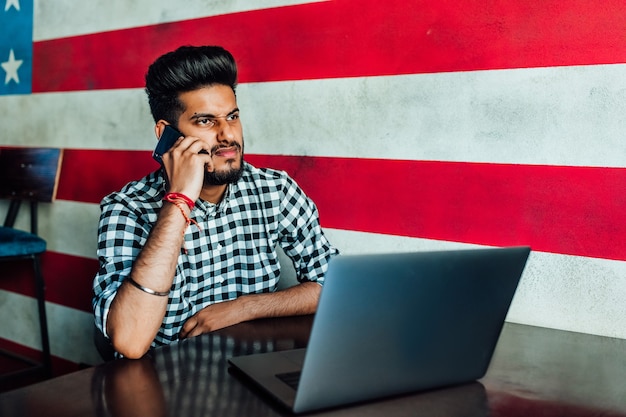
(212,116)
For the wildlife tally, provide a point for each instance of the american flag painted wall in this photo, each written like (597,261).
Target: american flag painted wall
(414,125)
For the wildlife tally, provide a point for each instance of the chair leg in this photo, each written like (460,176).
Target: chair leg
(40,288)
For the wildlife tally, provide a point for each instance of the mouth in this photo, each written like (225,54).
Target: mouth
(225,152)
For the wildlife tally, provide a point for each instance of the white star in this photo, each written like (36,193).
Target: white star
(14,3)
(11,67)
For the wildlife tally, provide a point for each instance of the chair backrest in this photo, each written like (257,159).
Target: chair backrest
(28,174)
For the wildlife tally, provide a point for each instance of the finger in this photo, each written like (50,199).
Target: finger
(209,165)
(202,148)
(189,326)
(174,146)
(197,331)
(195,145)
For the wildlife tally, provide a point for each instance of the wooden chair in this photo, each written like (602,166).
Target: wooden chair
(28,175)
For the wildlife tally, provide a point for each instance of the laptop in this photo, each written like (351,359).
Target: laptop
(391,324)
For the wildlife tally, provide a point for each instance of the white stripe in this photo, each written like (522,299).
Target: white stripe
(69,227)
(70,330)
(109,119)
(553,116)
(571,293)
(54,19)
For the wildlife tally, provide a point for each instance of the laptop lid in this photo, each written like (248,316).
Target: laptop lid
(389,324)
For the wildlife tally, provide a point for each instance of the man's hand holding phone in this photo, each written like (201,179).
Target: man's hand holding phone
(185,160)
(166,141)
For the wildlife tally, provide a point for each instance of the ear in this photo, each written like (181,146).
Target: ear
(159,127)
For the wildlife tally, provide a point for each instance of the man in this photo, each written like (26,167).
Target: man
(190,248)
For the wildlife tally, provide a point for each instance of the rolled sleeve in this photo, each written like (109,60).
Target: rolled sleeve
(122,232)
(303,239)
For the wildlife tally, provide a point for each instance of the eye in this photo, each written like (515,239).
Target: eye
(205,121)
(232,117)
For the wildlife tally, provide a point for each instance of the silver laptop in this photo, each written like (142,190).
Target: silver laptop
(391,324)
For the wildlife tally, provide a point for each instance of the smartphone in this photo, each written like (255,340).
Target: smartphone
(167,139)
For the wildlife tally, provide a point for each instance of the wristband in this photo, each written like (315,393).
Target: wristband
(172,197)
(177,199)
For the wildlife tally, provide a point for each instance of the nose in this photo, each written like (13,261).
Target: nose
(225,131)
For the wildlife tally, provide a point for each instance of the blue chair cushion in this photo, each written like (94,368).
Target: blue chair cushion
(15,242)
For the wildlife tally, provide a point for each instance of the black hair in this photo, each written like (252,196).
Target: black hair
(186,69)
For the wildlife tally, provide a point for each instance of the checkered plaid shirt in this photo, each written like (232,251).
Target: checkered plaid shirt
(232,252)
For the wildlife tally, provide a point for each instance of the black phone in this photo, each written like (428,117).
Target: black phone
(167,139)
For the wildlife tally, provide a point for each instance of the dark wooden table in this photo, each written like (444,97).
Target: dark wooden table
(535,372)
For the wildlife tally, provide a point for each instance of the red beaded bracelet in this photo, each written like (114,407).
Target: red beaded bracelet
(173,197)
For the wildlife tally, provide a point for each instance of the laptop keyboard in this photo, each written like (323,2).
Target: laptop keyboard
(290,378)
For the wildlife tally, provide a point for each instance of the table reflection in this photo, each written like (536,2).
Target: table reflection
(192,378)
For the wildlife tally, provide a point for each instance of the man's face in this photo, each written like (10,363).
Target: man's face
(211,114)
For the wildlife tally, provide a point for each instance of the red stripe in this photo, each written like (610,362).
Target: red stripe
(350,38)
(569,210)
(68,279)
(60,366)
(88,175)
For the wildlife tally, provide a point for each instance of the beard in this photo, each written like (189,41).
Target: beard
(228,176)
